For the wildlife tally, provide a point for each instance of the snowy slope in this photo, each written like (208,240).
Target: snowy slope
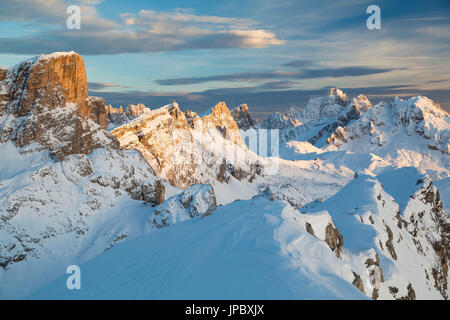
(403,223)
(252,249)
(56,212)
(262,249)
(120,116)
(444,188)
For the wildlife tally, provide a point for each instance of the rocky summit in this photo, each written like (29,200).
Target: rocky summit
(244,120)
(45,100)
(119,116)
(187,149)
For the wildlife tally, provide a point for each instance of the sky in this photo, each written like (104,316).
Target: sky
(269,54)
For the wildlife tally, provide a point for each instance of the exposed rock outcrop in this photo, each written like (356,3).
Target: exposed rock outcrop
(97,113)
(45,100)
(416,116)
(120,116)
(187,149)
(285,192)
(334,239)
(60,202)
(243,118)
(286,120)
(330,106)
(197,200)
(321,226)
(431,222)
(346,111)
(358,283)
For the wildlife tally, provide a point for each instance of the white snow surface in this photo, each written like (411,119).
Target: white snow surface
(253,249)
(261,249)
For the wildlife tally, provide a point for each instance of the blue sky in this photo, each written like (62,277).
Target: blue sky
(268,54)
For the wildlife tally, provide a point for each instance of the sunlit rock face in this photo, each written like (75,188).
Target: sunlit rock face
(119,116)
(62,175)
(187,149)
(220,119)
(48,81)
(45,100)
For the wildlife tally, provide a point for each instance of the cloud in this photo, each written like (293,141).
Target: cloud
(52,14)
(325,72)
(277,85)
(104,85)
(439,81)
(145,31)
(33,11)
(235,77)
(352,71)
(168,22)
(299,63)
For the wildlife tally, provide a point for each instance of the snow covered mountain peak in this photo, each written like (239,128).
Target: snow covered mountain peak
(119,116)
(43,58)
(286,120)
(220,108)
(242,107)
(173,105)
(356,107)
(419,110)
(330,106)
(187,149)
(220,119)
(391,124)
(336,93)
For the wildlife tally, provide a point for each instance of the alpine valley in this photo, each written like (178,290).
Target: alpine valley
(341,199)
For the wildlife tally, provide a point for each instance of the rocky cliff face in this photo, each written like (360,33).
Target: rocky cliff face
(286,120)
(400,231)
(186,149)
(354,109)
(243,118)
(197,200)
(120,116)
(326,107)
(418,116)
(55,210)
(220,119)
(48,81)
(44,100)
